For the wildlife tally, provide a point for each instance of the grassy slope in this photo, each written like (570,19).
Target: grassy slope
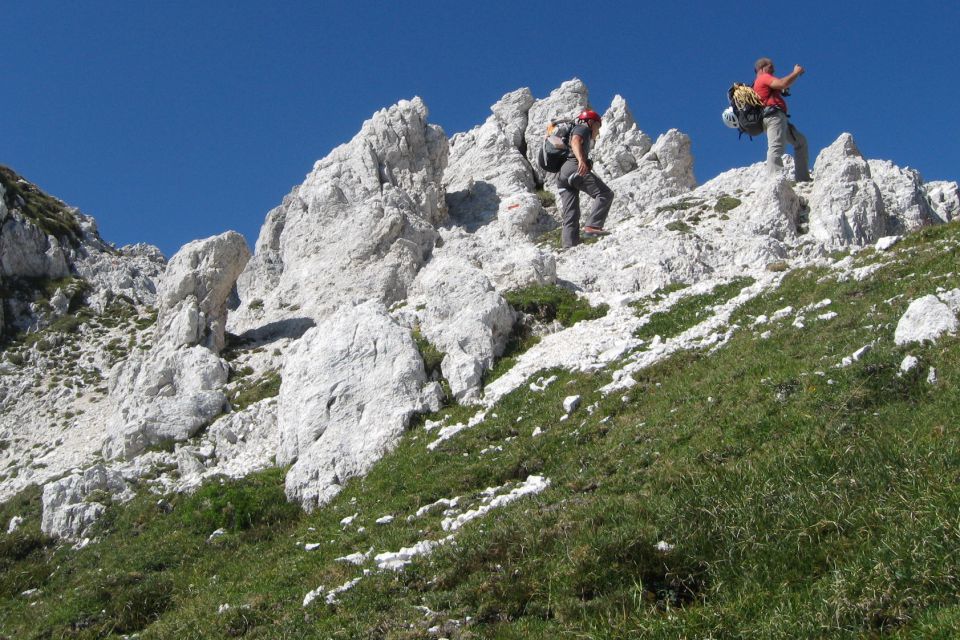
(798,504)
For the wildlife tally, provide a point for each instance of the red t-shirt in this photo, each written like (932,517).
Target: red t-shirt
(770,97)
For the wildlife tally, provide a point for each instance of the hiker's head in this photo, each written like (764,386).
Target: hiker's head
(592,118)
(763,64)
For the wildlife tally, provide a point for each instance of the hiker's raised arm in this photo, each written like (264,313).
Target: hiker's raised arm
(780,84)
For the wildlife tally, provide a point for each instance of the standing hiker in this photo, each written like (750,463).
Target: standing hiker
(779,131)
(576,176)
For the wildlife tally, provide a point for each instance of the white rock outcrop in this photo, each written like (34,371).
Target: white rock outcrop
(846,206)
(169,392)
(72,504)
(350,387)
(360,226)
(466,319)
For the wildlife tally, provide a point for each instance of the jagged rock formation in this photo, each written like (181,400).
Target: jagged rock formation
(360,226)
(167,394)
(401,231)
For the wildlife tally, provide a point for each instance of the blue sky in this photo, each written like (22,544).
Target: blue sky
(176,120)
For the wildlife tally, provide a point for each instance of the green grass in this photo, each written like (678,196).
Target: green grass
(688,311)
(797,500)
(252,390)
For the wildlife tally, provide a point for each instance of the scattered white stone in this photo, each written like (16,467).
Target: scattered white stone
(932,376)
(355,558)
(311,546)
(886,242)
(30,593)
(446,503)
(332,596)
(570,404)
(15,523)
(926,318)
(798,322)
(536,432)
(223,608)
(951,299)
(909,364)
(384,520)
(782,313)
(760,320)
(664,547)
(856,356)
(346,522)
(313,595)
(82,544)
(829,315)
(532,485)
(765,335)
(397,560)
(216,534)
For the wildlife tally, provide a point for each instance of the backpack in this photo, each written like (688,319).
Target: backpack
(747,108)
(556,145)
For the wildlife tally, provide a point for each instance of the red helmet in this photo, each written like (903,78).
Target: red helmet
(588,114)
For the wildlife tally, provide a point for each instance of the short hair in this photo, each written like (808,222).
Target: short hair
(761,63)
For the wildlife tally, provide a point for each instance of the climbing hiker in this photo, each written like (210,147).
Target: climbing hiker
(779,131)
(575,176)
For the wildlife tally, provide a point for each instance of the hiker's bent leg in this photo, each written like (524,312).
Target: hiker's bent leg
(776,127)
(801,160)
(603,198)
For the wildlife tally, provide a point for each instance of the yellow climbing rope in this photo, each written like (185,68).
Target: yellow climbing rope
(744,96)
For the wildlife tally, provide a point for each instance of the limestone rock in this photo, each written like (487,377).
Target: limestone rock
(846,206)
(133,271)
(621,144)
(926,318)
(165,396)
(192,306)
(466,319)
(67,505)
(360,226)
(904,198)
(487,164)
(350,387)
(944,198)
(171,391)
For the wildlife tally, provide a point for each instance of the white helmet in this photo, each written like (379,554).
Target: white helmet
(730,118)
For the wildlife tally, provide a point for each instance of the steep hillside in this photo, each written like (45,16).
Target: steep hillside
(784,483)
(409,413)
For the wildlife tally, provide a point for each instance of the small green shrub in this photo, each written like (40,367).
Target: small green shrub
(432,357)
(236,506)
(246,394)
(679,226)
(551,302)
(547,199)
(726,203)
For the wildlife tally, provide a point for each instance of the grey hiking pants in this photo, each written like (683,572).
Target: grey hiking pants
(779,134)
(571,184)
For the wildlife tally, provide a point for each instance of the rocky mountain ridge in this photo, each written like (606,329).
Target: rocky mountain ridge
(399,235)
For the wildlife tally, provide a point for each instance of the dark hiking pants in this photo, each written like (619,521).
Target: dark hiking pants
(571,184)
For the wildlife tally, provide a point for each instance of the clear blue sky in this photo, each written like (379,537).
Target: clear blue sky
(175,120)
